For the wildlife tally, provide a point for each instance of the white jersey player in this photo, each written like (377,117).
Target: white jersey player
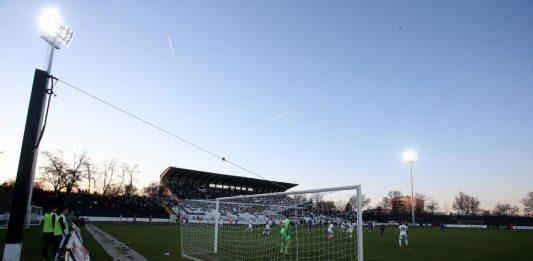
(330,230)
(350,229)
(249,229)
(342,225)
(403,234)
(267,228)
(309,224)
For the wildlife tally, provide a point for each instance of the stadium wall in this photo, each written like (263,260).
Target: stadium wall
(465,226)
(523,227)
(451,219)
(124,219)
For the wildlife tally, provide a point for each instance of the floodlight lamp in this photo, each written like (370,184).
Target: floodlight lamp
(410,156)
(50,21)
(53,31)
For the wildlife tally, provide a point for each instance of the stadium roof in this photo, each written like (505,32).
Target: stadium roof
(189,176)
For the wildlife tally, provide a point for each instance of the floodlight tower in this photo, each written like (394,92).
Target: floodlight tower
(410,158)
(57,35)
(54,32)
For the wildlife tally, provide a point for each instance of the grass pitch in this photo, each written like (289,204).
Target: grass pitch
(33,240)
(424,243)
(162,242)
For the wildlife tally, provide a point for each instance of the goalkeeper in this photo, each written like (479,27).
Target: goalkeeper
(285,237)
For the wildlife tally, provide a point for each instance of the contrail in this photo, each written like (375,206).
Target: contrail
(274,118)
(171,49)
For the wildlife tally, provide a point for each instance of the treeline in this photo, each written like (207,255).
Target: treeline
(463,204)
(81,174)
(396,203)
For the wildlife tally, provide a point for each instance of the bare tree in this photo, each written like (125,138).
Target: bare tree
(316,198)
(301,199)
(130,190)
(386,202)
(505,209)
(55,171)
(115,178)
(106,177)
(432,206)
(130,172)
(465,204)
(352,203)
(152,189)
(8,183)
(326,205)
(484,212)
(419,202)
(340,203)
(394,194)
(528,203)
(76,173)
(90,173)
(118,183)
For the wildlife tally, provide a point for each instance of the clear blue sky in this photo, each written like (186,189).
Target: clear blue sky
(357,82)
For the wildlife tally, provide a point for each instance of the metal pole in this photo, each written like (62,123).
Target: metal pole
(359,224)
(215,245)
(50,59)
(49,70)
(26,167)
(413,202)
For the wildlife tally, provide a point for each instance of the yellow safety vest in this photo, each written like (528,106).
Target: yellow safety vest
(58,229)
(48,222)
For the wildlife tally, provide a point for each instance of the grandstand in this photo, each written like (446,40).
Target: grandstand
(186,184)
(194,184)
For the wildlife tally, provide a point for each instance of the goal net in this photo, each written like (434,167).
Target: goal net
(320,224)
(34,216)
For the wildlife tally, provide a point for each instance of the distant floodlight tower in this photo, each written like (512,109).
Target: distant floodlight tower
(54,32)
(410,158)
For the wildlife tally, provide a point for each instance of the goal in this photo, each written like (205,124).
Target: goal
(319,224)
(34,216)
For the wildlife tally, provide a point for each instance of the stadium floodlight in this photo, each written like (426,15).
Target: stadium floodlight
(57,35)
(410,157)
(54,32)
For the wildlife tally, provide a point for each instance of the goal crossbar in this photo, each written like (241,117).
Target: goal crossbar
(358,187)
(248,204)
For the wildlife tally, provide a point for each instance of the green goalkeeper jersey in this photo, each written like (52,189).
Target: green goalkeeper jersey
(284,232)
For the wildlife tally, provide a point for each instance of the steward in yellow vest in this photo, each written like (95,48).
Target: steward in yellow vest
(61,230)
(48,231)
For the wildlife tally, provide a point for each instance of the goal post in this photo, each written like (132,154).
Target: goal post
(305,225)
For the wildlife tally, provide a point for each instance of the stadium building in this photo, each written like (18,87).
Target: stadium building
(194,184)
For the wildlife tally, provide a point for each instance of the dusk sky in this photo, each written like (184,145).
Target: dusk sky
(320,93)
